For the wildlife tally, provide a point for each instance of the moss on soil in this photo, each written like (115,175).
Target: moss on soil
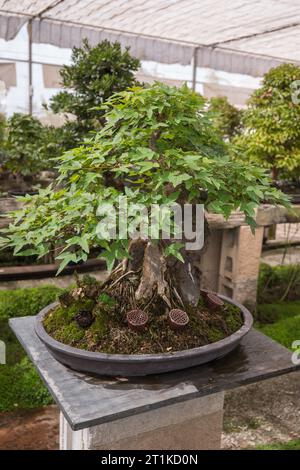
(109,332)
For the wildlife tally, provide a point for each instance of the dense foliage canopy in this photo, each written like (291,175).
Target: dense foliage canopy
(26,145)
(271,136)
(158,145)
(93,76)
(226,117)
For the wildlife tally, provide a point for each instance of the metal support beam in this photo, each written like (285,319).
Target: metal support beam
(194,68)
(30,87)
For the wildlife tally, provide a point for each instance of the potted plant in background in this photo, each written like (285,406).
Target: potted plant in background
(226,117)
(96,72)
(26,150)
(158,147)
(271,133)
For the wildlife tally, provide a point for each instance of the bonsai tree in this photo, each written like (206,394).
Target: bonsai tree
(271,138)
(226,117)
(158,146)
(93,76)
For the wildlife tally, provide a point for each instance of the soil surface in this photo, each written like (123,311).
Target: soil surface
(95,316)
(256,414)
(97,329)
(36,429)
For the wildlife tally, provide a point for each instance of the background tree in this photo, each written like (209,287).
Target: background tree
(272,132)
(226,117)
(23,145)
(94,75)
(27,146)
(160,146)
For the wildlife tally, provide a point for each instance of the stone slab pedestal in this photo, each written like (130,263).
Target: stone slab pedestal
(177,410)
(192,425)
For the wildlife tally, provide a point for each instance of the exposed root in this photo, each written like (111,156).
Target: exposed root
(120,278)
(148,281)
(178,296)
(124,288)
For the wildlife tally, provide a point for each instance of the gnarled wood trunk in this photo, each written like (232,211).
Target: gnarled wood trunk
(148,277)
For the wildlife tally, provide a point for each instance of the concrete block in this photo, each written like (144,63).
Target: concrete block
(195,425)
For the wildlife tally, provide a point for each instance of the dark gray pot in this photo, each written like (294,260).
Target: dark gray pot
(140,364)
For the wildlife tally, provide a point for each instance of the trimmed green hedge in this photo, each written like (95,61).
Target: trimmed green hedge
(278,283)
(278,310)
(280,321)
(20,385)
(23,302)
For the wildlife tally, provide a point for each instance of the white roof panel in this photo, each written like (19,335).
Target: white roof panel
(244,36)
(203,22)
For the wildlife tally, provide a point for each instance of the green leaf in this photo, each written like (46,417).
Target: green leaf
(66,259)
(83,242)
(174,250)
(109,258)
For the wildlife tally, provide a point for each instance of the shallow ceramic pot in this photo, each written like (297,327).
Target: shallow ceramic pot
(140,364)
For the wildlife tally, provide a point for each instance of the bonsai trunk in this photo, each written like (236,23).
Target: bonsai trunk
(274,173)
(150,280)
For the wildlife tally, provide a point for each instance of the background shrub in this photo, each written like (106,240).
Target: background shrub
(24,302)
(271,136)
(278,283)
(27,146)
(226,117)
(93,76)
(20,385)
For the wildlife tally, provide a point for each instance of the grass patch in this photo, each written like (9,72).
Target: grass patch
(274,312)
(280,321)
(23,302)
(290,445)
(253,423)
(20,385)
(278,311)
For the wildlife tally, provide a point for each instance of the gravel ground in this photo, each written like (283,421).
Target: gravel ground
(261,413)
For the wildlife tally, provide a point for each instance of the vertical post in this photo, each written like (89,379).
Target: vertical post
(239,264)
(30,89)
(194,69)
(2,352)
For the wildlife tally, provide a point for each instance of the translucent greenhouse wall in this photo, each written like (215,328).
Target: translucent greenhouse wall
(46,58)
